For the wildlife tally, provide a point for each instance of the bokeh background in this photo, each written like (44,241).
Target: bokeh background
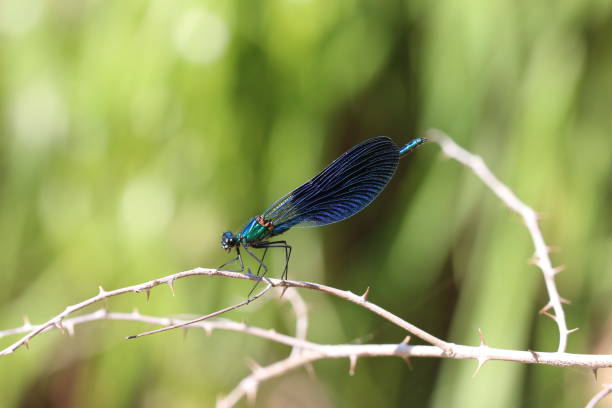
(133,133)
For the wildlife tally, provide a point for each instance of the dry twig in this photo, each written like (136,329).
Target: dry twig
(58,320)
(530,217)
(403,350)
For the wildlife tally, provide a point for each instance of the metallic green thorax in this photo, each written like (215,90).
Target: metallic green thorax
(254,232)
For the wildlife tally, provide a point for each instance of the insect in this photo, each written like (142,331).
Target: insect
(339,191)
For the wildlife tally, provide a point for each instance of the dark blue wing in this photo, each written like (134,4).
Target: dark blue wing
(341,190)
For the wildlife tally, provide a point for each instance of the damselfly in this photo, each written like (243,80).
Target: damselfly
(339,191)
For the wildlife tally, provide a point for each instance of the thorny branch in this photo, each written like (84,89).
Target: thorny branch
(530,217)
(403,350)
(304,352)
(58,320)
(461,352)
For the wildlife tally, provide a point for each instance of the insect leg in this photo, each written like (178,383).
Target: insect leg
(261,265)
(278,244)
(237,257)
(262,259)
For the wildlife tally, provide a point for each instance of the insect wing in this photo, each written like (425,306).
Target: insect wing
(339,191)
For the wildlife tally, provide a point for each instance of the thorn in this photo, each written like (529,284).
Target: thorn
(207,328)
(408,362)
(26,323)
(26,344)
(535,356)
(311,371)
(534,260)
(171,284)
(552,249)
(545,308)
(552,316)
(565,301)
(69,328)
(284,290)
(101,291)
(483,343)
(148,292)
(353,360)
(558,269)
(253,366)
(185,332)
(405,341)
(594,373)
(135,312)
(364,297)
(574,330)
(481,362)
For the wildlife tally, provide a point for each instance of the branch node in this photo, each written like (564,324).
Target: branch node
(250,386)
(364,297)
(69,328)
(353,360)
(545,308)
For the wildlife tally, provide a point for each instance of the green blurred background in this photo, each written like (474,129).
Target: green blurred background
(133,133)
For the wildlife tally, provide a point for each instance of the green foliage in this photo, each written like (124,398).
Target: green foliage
(133,133)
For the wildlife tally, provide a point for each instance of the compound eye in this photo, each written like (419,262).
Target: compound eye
(227,240)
